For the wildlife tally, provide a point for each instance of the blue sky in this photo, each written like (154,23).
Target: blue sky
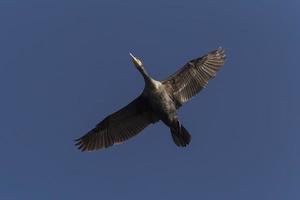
(65,65)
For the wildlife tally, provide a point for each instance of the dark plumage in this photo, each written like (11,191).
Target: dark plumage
(158,101)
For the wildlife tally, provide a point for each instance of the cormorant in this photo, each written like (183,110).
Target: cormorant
(158,101)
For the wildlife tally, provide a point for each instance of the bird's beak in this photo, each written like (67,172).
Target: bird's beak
(132,56)
(134,59)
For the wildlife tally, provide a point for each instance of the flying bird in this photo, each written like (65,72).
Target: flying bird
(159,101)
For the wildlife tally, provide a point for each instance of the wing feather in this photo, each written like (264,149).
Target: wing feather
(118,127)
(194,76)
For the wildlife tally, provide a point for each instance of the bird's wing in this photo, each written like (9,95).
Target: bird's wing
(118,127)
(194,76)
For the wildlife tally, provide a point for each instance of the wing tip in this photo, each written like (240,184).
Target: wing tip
(221,52)
(79,144)
(84,147)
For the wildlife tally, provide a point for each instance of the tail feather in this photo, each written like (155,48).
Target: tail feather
(180,135)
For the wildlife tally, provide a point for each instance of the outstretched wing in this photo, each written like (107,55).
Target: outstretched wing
(194,76)
(118,127)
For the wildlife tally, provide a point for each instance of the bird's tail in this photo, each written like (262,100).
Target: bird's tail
(180,135)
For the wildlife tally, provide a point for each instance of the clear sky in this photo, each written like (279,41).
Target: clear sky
(64,66)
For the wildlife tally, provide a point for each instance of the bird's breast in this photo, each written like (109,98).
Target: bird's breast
(160,102)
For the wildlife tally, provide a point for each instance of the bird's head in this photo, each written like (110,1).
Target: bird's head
(137,62)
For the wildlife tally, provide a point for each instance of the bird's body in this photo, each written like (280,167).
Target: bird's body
(158,101)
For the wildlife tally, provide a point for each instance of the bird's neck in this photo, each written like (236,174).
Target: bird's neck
(145,74)
(149,82)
